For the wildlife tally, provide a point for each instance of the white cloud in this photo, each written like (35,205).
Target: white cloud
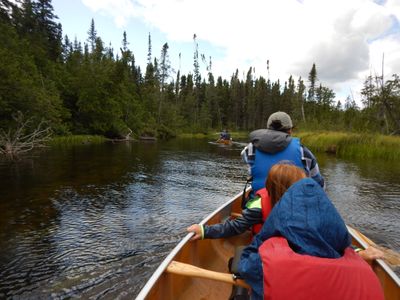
(394,7)
(390,48)
(120,10)
(344,38)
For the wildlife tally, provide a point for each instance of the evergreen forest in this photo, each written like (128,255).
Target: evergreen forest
(85,87)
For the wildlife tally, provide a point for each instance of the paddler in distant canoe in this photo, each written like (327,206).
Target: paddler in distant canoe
(224,137)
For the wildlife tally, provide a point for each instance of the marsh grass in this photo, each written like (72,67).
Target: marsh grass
(214,135)
(193,135)
(346,145)
(351,145)
(76,140)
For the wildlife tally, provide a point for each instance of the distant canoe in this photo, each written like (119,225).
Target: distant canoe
(225,142)
(148,138)
(198,270)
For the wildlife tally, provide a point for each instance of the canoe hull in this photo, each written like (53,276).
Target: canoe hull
(225,142)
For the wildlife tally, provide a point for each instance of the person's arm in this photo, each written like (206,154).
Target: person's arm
(231,227)
(248,154)
(311,166)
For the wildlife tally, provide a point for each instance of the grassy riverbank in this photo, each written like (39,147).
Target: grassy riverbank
(351,145)
(342,144)
(76,140)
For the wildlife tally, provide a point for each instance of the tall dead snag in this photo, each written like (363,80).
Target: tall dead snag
(21,139)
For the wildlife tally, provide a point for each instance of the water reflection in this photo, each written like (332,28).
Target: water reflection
(95,221)
(367,194)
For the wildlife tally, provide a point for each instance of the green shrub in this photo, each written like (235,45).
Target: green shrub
(352,145)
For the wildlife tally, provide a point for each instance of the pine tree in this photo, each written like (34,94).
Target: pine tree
(262,99)
(92,36)
(165,68)
(196,70)
(126,54)
(312,78)
(23,88)
(48,28)
(250,105)
(149,50)
(300,97)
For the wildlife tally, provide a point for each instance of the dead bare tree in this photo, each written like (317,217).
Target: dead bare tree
(128,135)
(387,93)
(19,140)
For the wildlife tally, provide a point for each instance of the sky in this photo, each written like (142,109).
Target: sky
(346,39)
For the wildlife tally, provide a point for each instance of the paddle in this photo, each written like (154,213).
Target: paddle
(176,267)
(390,256)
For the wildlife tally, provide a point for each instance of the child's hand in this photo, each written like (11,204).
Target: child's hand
(371,253)
(197,231)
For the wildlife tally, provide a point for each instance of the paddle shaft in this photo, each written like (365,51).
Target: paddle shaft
(179,268)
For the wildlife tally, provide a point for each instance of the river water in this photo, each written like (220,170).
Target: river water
(94,221)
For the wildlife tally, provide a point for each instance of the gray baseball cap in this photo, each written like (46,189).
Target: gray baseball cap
(279,121)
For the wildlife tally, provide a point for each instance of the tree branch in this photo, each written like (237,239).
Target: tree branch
(17,141)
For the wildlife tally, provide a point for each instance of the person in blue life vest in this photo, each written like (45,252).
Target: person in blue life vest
(274,144)
(288,258)
(224,135)
(280,178)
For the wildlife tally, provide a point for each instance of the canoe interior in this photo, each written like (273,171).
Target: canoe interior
(214,255)
(209,254)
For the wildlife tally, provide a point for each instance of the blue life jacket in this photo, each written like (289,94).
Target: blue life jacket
(264,161)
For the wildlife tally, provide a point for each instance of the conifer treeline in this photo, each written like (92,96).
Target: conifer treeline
(89,89)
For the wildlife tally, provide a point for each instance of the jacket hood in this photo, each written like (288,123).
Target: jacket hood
(310,223)
(270,141)
(306,217)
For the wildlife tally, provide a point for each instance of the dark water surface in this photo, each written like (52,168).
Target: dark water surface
(94,221)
